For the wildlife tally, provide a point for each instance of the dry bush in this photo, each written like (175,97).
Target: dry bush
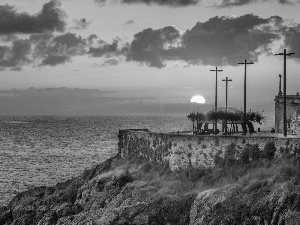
(269,150)
(254,152)
(245,154)
(230,153)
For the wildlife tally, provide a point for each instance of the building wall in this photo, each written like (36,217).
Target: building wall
(185,151)
(292,112)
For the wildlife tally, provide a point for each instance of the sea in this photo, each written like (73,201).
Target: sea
(44,150)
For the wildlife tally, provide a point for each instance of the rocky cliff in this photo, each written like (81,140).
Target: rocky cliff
(107,194)
(124,191)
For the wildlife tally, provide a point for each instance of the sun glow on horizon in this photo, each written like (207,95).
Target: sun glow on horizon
(198,99)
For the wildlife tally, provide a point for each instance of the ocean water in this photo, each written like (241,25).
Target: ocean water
(44,150)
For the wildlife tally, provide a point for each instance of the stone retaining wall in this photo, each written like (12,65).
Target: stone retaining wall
(183,151)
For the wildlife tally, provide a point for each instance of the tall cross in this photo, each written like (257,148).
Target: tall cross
(216,94)
(280,92)
(284,91)
(226,80)
(245,82)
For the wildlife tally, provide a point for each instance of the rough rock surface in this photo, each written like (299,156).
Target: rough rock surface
(112,195)
(104,195)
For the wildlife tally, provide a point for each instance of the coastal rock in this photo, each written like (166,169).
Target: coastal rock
(114,198)
(5,215)
(46,205)
(113,194)
(104,196)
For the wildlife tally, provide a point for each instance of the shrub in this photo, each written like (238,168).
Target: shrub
(285,173)
(269,150)
(292,217)
(123,180)
(230,152)
(218,160)
(297,151)
(245,154)
(194,174)
(146,167)
(254,152)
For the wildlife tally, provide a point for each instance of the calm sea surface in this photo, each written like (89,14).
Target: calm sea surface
(44,150)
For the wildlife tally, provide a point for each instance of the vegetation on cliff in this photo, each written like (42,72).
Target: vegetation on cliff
(251,186)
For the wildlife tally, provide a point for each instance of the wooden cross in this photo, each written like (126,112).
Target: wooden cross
(216,95)
(245,80)
(226,80)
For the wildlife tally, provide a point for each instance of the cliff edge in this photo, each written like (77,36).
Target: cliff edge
(134,191)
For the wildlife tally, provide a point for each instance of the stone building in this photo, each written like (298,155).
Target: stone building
(292,113)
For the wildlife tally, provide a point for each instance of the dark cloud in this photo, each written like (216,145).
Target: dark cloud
(104,49)
(223,40)
(53,60)
(82,23)
(100,2)
(285,2)
(59,49)
(110,62)
(148,45)
(49,19)
(3,51)
(129,22)
(16,69)
(42,49)
(173,3)
(218,41)
(41,37)
(15,56)
(8,37)
(69,39)
(292,41)
(41,43)
(232,3)
(164,2)
(91,38)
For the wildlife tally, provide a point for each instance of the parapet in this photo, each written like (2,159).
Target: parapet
(182,151)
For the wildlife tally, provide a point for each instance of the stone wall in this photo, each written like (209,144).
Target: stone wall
(292,114)
(184,151)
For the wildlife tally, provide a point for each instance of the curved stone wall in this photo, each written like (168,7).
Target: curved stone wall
(184,151)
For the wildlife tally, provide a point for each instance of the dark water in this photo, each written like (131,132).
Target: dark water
(45,150)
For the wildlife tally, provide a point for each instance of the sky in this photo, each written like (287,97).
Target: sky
(143,57)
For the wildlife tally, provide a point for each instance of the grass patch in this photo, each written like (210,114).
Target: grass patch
(251,174)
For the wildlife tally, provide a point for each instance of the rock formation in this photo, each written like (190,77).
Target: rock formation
(119,191)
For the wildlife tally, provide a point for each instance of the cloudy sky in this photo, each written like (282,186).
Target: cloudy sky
(143,56)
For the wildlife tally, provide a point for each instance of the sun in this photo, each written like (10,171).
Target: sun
(198,99)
